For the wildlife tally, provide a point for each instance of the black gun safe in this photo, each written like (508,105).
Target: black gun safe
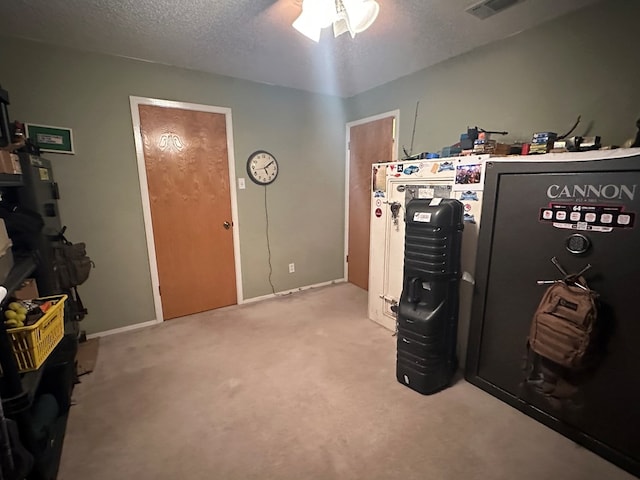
(582,212)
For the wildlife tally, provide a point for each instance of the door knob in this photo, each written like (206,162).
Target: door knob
(226,225)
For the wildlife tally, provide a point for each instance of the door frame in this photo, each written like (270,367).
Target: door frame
(135,102)
(396,115)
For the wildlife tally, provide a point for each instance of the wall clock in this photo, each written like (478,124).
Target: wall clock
(262,167)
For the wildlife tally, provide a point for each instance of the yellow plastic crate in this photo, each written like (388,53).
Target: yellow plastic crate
(33,344)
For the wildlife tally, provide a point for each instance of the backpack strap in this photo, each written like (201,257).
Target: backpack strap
(530,363)
(545,379)
(81,311)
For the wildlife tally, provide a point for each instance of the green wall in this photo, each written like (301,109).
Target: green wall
(99,185)
(586,63)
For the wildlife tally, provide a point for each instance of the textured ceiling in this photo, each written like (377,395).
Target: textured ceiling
(254,40)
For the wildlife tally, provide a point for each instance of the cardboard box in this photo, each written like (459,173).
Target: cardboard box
(9,163)
(5,162)
(15,161)
(6,254)
(28,290)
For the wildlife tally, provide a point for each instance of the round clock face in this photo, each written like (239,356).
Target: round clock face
(262,167)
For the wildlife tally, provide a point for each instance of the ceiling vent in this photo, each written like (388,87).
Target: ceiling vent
(488,8)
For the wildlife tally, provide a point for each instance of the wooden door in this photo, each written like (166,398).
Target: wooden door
(369,143)
(185,155)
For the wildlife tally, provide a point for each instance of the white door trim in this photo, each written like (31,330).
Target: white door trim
(144,190)
(396,115)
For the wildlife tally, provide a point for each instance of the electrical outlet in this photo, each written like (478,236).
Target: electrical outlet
(292,267)
(241,185)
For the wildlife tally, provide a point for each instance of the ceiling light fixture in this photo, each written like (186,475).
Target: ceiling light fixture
(353,16)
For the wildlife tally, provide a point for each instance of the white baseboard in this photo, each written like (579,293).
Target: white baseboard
(137,326)
(128,328)
(299,289)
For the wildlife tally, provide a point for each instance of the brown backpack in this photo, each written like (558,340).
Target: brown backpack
(563,324)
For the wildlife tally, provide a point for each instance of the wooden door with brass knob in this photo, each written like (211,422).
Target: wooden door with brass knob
(369,142)
(186,162)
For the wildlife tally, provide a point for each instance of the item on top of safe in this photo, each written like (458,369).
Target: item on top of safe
(487,133)
(451,151)
(570,144)
(467,140)
(590,143)
(563,143)
(542,142)
(575,125)
(636,142)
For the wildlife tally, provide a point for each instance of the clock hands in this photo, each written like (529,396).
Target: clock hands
(268,165)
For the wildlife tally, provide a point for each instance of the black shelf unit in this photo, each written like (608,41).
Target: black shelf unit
(10,180)
(23,393)
(20,391)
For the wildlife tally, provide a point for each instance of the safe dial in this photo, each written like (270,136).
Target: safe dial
(577,243)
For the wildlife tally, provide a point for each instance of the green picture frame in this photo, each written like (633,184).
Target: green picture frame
(51,139)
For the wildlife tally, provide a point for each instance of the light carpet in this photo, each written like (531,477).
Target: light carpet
(297,387)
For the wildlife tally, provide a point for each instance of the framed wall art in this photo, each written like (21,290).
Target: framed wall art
(51,139)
